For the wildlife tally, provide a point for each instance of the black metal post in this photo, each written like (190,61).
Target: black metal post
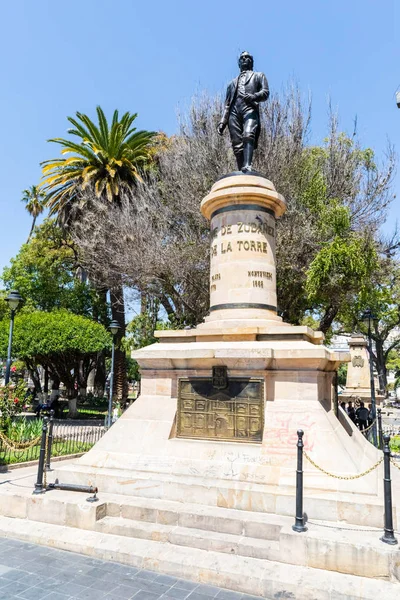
(39,489)
(111,384)
(380,439)
(372,382)
(50,441)
(388,536)
(299,520)
(10,337)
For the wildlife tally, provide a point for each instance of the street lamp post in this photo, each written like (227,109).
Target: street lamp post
(114,327)
(13,300)
(368,316)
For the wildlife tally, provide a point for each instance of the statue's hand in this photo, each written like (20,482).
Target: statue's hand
(249,98)
(221,128)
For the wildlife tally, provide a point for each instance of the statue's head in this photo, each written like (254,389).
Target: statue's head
(246,61)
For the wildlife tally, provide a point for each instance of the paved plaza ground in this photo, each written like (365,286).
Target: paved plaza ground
(31,572)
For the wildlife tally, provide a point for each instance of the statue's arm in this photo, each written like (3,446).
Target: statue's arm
(225,116)
(263,94)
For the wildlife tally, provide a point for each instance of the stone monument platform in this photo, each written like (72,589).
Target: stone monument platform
(197,478)
(221,403)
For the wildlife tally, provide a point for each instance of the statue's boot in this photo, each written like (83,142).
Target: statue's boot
(248,149)
(239,159)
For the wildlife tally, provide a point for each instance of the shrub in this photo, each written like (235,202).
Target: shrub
(12,402)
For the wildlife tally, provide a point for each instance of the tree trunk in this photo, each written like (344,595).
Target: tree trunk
(33,371)
(100,375)
(82,380)
(55,387)
(118,313)
(46,383)
(90,381)
(72,409)
(31,231)
(327,319)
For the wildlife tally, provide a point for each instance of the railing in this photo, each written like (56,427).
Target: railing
(67,439)
(386,458)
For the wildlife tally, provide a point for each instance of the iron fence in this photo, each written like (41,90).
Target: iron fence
(68,438)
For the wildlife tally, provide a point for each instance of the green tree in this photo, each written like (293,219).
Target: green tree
(382,296)
(107,159)
(45,274)
(64,343)
(34,204)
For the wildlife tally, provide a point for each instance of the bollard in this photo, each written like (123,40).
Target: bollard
(380,440)
(49,441)
(388,536)
(39,489)
(299,521)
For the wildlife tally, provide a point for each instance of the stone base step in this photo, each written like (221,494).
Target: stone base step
(357,509)
(264,578)
(210,518)
(190,537)
(326,545)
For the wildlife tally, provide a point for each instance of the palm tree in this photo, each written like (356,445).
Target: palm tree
(107,158)
(34,204)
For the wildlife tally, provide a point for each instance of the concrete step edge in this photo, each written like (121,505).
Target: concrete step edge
(264,578)
(204,482)
(191,537)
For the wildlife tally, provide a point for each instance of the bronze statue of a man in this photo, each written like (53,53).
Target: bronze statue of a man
(241,113)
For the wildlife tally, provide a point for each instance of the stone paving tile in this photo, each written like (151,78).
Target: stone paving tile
(70,589)
(67,575)
(101,585)
(195,596)
(89,594)
(97,572)
(207,590)
(50,584)
(57,596)
(166,579)
(32,579)
(116,595)
(125,591)
(4,582)
(229,595)
(14,574)
(30,572)
(84,579)
(128,580)
(15,588)
(152,586)
(146,596)
(149,575)
(176,593)
(33,593)
(186,585)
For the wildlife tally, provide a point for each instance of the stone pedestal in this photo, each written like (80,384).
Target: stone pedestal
(358,384)
(242,211)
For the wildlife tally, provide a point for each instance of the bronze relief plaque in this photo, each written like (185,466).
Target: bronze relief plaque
(235,413)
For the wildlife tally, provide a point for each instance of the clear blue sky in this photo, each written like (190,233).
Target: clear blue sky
(151,57)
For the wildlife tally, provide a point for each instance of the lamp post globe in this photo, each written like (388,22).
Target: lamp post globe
(369,317)
(13,299)
(114,327)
